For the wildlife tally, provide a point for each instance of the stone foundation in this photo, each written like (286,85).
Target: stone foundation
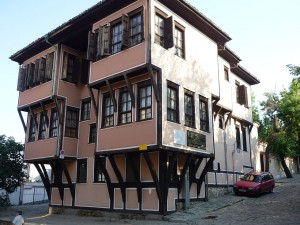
(218,191)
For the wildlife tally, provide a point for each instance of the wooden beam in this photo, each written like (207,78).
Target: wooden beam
(111,95)
(202,176)
(108,184)
(70,184)
(45,113)
(153,82)
(193,175)
(22,120)
(168,176)
(119,177)
(93,99)
(136,173)
(227,119)
(129,86)
(184,169)
(215,116)
(153,174)
(45,179)
(34,118)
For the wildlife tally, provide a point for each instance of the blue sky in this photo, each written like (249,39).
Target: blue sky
(265,34)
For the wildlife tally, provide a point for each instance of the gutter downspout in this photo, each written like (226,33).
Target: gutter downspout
(54,90)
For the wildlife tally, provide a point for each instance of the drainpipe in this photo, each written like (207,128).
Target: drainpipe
(55,75)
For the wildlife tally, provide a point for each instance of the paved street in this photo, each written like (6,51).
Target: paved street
(278,208)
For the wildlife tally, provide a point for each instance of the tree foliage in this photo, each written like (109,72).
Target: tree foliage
(280,126)
(12,168)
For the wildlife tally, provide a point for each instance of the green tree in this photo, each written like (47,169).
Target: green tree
(289,112)
(269,124)
(12,168)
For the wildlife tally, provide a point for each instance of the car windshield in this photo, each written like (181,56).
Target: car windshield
(252,178)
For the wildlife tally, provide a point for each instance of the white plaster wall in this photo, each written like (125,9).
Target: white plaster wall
(198,72)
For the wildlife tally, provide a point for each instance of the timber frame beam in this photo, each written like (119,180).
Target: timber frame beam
(93,99)
(202,176)
(153,82)
(22,120)
(129,86)
(45,113)
(111,94)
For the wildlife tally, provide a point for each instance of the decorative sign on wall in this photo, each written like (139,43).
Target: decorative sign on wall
(179,137)
(196,140)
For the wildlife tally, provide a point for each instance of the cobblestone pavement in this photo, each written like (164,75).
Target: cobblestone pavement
(278,208)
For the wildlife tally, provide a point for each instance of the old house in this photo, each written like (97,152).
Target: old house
(135,105)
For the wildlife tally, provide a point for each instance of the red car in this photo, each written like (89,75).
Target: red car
(254,184)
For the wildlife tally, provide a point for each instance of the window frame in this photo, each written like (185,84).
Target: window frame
(111,108)
(85,113)
(189,119)
(92,135)
(179,29)
(173,87)
(98,173)
(81,179)
(238,137)
(70,73)
(145,84)
(159,37)
(42,126)
(119,35)
(128,100)
(53,121)
(237,92)
(69,129)
(132,16)
(226,73)
(203,100)
(244,138)
(32,129)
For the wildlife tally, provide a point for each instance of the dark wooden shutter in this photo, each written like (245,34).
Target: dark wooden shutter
(65,66)
(42,68)
(106,41)
(21,79)
(92,46)
(168,33)
(99,43)
(244,95)
(36,73)
(85,71)
(49,66)
(30,74)
(125,33)
(76,70)
(26,82)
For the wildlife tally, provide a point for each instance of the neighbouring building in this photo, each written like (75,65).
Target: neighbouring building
(135,105)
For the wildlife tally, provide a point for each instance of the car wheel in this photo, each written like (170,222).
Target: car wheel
(257,193)
(271,189)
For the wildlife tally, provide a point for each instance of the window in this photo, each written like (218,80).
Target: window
(132,167)
(36,73)
(172,102)
(244,135)
(159,30)
(204,122)
(71,129)
(136,29)
(107,111)
(237,92)
(221,121)
(100,162)
(226,73)
(189,109)
(71,67)
(85,109)
(144,101)
(43,126)
(125,109)
(81,171)
(237,137)
(32,129)
(179,42)
(53,124)
(116,43)
(93,133)
(241,94)
(164,31)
